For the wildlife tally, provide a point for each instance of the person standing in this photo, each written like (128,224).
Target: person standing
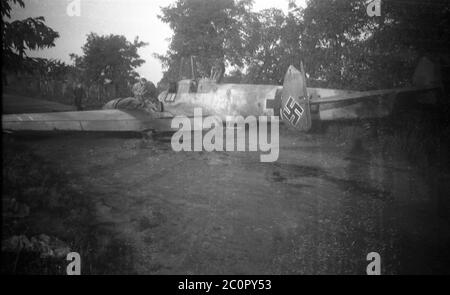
(78,96)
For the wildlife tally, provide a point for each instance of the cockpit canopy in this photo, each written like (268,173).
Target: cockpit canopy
(193,86)
(189,80)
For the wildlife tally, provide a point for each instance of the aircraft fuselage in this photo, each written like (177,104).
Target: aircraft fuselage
(221,99)
(264,100)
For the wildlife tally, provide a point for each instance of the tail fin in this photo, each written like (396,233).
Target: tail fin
(295,110)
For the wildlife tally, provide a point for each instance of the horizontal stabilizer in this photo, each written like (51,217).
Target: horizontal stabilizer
(369,94)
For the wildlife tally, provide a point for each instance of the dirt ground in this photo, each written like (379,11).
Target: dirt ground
(320,209)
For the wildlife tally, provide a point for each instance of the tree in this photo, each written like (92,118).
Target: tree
(109,58)
(340,45)
(348,49)
(276,45)
(51,69)
(210,30)
(22,35)
(264,64)
(343,47)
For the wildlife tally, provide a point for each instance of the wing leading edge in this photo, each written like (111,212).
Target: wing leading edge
(98,120)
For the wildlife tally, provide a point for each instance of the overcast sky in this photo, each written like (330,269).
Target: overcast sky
(130,18)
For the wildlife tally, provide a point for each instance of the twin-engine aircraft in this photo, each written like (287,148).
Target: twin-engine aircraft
(296,105)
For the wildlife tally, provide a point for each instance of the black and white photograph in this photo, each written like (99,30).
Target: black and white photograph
(225,138)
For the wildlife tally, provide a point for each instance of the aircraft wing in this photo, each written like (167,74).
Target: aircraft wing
(368,94)
(97,120)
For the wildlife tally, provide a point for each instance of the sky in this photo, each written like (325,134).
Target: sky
(130,18)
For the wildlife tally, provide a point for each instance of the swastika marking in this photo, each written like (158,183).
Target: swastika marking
(292,111)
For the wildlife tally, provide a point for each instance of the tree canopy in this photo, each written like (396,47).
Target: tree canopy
(346,48)
(109,58)
(207,29)
(21,35)
(340,45)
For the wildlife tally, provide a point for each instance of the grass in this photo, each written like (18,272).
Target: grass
(58,208)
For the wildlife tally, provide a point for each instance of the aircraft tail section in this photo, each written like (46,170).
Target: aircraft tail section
(295,109)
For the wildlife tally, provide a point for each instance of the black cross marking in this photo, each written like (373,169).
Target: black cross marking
(274,103)
(270,103)
(292,111)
